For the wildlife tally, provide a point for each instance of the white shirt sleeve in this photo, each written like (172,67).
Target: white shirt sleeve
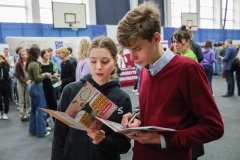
(163,142)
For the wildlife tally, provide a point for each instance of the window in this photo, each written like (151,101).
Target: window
(46,11)
(46,16)
(14,9)
(206,14)
(13,2)
(11,14)
(205,23)
(179,6)
(229,14)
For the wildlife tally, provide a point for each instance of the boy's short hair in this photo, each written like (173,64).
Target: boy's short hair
(142,21)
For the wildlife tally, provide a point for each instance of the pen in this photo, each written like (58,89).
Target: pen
(132,118)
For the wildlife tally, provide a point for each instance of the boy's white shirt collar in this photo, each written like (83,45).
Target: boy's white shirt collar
(161,62)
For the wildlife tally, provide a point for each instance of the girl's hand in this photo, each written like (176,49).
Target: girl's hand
(96,135)
(56,75)
(28,81)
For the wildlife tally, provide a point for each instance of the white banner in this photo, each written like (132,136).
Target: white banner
(44,43)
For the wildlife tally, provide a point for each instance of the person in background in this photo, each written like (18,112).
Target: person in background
(4,87)
(58,61)
(14,80)
(208,61)
(122,60)
(115,75)
(16,53)
(182,42)
(83,61)
(55,66)
(68,68)
(230,55)
(47,67)
(172,48)
(218,58)
(71,56)
(56,69)
(170,85)
(102,144)
(194,46)
(38,118)
(10,60)
(237,46)
(22,85)
(235,66)
(136,85)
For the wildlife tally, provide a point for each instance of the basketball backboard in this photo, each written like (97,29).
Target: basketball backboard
(65,15)
(190,20)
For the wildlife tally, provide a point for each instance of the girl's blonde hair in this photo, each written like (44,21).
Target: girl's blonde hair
(238,55)
(64,50)
(82,48)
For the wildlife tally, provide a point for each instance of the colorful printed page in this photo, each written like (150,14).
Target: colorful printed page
(131,131)
(63,117)
(84,108)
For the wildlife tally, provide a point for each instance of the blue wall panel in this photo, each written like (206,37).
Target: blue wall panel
(99,31)
(32,30)
(47,30)
(10,29)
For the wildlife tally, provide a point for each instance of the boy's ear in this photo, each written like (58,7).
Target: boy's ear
(157,37)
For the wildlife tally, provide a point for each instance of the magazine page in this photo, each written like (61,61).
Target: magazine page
(86,105)
(89,103)
(131,131)
(63,117)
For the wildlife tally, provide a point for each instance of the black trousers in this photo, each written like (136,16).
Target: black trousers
(4,95)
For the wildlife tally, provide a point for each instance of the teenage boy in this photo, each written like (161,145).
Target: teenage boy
(169,91)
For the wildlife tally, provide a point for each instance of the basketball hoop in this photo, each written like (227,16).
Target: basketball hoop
(74,25)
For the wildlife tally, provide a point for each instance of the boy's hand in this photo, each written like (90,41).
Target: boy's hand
(146,137)
(125,119)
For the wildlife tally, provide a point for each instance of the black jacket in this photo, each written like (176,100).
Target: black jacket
(72,144)
(4,76)
(67,73)
(235,66)
(197,50)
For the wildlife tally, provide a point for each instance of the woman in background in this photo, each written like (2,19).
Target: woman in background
(4,87)
(83,62)
(182,42)
(68,68)
(22,85)
(208,60)
(235,66)
(38,118)
(47,67)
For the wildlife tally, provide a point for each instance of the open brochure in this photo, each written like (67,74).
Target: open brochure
(56,84)
(131,131)
(85,107)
